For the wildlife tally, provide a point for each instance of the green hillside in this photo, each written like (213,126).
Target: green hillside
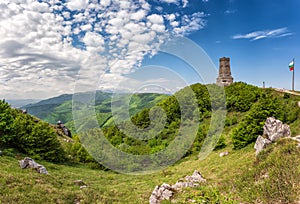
(29,135)
(240,177)
(60,108)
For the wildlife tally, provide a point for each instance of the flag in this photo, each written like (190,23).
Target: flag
(291,66)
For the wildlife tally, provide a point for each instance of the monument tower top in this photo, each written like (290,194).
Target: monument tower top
(224,78)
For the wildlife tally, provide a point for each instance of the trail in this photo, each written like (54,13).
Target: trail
(287,91)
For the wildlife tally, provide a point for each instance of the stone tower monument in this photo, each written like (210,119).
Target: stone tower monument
(224,78)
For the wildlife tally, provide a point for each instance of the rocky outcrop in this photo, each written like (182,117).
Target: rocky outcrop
(30,163)
(64,129)
(260,144)
(163,192)
(273,130)
(166,191)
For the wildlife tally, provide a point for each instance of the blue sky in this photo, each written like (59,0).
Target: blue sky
(52,47)
(252,60)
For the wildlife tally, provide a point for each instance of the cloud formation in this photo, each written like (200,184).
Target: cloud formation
(276,33)
(44,44)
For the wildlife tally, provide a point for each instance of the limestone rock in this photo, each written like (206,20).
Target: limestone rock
(260,144)
(30,163)
(297,138)
(79,183)
(275,129)
(182,184)
(195,178)
(82,187)
(163,192)
(223,154)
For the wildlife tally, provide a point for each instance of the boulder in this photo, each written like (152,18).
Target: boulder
(275,129)
(163,192)
(223,154)
(260,144)
(30,163)
(196,177)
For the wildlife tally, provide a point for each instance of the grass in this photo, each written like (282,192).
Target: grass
(231,179)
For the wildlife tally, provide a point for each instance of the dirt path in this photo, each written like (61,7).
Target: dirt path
(287,91)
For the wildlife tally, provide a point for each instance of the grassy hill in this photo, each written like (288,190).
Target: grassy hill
(233,179)
(240,177)
(60,108)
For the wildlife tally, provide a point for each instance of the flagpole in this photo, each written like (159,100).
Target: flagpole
(293,83)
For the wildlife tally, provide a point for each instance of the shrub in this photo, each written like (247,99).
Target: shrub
(252,125)
(29,135)
(241,96)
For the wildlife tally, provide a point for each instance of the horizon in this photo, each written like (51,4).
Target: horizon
(85,45)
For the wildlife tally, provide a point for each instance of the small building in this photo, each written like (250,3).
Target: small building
(224,78)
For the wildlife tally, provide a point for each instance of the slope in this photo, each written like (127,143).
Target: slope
(273,177)
(60,108)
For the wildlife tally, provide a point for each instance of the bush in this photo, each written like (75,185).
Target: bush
(252,125)
(241,96)
(221,143)
(29,135)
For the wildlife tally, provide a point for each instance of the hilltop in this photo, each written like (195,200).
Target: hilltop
(272,177)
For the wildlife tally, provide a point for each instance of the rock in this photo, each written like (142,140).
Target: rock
(195,178)
(275,129)
(260,144)
(223,154)
(0,153)
(163,192)
(30,163)
(181,184)
(79,183)
(299,104)
(82,187)
(297,138)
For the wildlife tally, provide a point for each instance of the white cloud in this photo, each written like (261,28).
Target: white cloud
(94,42)
(169,1)
(139,15)
(156,19)
(43,45)
(77,4)
(276,33)
(185,3)
(228,12)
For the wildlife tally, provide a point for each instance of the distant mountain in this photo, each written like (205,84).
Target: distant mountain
(60,108)
(21,102)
